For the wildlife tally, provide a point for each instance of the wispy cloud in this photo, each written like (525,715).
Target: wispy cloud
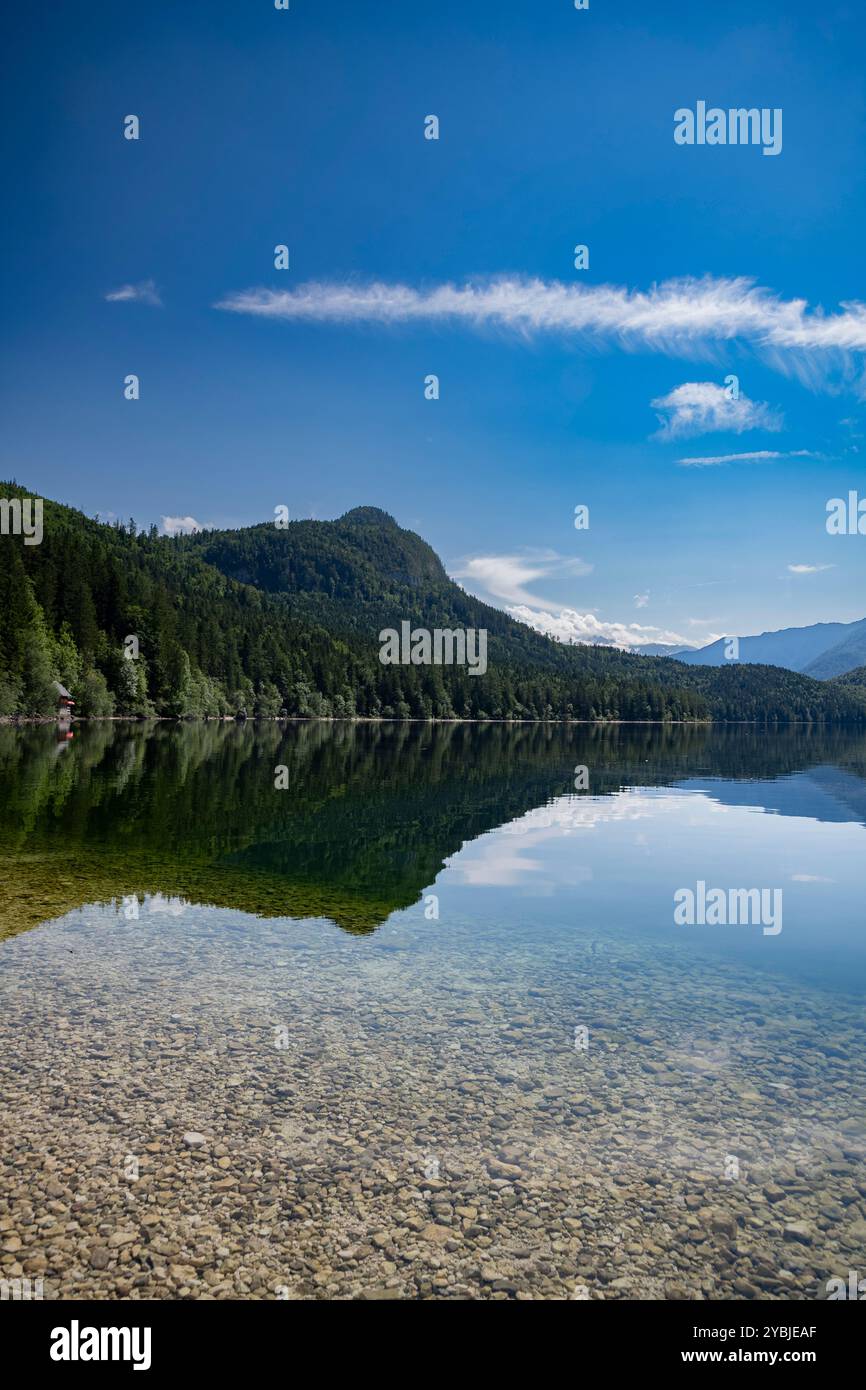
(145,292)
(505,577)
(756,456)
(702,407)
(678,316)
(809,569)
(507,580)
(180,525)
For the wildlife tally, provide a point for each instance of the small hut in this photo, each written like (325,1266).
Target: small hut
(65,702)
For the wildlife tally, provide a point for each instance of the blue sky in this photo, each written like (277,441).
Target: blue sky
(306,127)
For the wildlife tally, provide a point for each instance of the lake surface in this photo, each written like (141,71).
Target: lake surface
(340,1011)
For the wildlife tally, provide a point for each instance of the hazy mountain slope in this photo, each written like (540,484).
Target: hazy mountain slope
(847,655)
(795,648)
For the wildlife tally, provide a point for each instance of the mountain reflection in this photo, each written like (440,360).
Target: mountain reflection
(363,816)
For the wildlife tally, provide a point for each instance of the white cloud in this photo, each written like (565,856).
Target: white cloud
(570,626)
(495,863)
(757,456)
(701,407)
(677,316)
(809,569)
(505,577)
(145,292)
(171,907)
(180,525)
(567,813)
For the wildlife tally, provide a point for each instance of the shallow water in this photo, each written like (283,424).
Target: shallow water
(421,1023)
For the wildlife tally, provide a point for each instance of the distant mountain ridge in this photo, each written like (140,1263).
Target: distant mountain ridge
(847,655)
(822,650)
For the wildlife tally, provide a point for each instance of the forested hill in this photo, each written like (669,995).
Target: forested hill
(362,573)
(268,619)
(855,678)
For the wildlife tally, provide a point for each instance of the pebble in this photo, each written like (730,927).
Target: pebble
(429,1130)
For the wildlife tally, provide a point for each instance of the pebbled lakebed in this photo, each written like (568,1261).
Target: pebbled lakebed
(529,1083)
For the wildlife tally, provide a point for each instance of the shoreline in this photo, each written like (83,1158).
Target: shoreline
(13,720)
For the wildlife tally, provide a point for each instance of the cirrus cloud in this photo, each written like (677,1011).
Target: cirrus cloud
(145,292)
(756,456)
(683,316)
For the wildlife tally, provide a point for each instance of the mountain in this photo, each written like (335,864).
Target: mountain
(362,573)
(795,648)
(857,677)
(847,655)
(661,649)
(268,620)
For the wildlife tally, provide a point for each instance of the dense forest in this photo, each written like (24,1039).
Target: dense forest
(268,620)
